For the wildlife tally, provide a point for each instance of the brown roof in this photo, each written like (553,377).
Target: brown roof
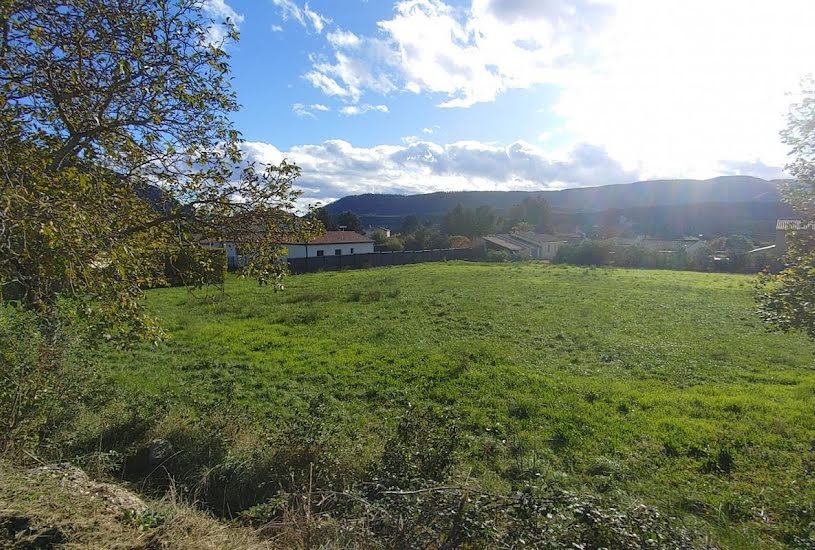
(792,225)
(340,237)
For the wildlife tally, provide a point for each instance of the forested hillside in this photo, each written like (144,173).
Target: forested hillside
(732,204)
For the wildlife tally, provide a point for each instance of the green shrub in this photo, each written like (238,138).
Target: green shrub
(423,448)
(496,256)
(586,253)
(44,378)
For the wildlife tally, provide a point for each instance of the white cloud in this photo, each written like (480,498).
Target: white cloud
(351,75)
(351,110)
(342,39)
(755,168)
(276,28)
(336,168)
(428,131)
(219,11)
(305,15)
(668,89)
(682,87)
(470,56)
(302,110)
(317,20)
(326,84)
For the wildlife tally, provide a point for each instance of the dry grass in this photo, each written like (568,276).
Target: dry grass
(86,519)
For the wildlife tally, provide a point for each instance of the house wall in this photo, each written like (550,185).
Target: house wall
(536,251)
(377,259)
(311,250)
(548,251)
(371,230)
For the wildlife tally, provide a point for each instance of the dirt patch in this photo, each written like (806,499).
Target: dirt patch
(116,499)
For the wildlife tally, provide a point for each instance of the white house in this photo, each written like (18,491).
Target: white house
(331,243)
(371,229)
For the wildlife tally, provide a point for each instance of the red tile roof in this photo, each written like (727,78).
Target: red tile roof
(340,237)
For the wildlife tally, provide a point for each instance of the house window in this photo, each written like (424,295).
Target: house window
(352,251)
(319,252)
(338,252)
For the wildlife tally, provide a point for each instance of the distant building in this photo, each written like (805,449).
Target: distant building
(331,243)
(689,244)
(234,259)
(503,243)
(782,227)
(334,243)
(537,246)
(371,229)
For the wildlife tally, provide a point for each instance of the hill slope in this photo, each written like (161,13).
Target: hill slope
(726,189)
(665,208)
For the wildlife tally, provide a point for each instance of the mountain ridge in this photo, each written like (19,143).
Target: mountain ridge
(727,189)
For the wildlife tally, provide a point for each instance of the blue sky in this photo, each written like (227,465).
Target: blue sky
(414,96)
(273,55)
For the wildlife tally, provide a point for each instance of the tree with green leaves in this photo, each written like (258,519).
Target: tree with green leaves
(471,222)
(787,298)
(410,224)
(348,221)
(322,215)
(118,153)
(534,213)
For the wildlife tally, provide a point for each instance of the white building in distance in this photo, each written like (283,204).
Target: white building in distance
(330,243)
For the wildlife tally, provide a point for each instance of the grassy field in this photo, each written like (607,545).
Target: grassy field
(652,386)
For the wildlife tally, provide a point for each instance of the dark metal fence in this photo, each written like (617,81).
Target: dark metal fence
(377,259)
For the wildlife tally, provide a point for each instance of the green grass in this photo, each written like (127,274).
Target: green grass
(647,385)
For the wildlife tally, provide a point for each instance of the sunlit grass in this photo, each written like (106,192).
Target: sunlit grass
(656,385)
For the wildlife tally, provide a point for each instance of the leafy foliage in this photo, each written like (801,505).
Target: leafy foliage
(459,241)
(117,152)
(39,393)
(346,220)
(787,299)
(531,214)
(424,238)
(584,253)
(471,222)
(410,224)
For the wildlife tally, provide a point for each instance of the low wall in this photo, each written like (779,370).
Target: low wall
(377,259)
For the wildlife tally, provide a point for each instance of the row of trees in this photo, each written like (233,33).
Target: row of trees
(726,254)
(531,214)
(347,220)
(461,225)
(457,229)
